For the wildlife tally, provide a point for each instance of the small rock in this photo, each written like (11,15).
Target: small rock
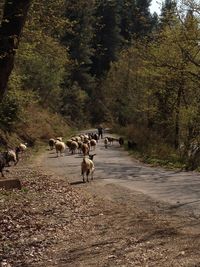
(111,256)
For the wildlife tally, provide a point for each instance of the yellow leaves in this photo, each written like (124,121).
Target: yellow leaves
(48,16)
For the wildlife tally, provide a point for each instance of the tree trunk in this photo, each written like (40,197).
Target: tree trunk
(177,117)
(14,16)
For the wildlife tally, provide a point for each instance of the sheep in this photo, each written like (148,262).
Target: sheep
(51,143)
(86,136)
(110,140)
(73,146)
(80,144)
(59,138)
(85,149)
(4,161)
(96,137)
(22,147)
(68,143)
(87,167)
(12,156)
(93,143)
(86,140)
(77,139)
(106,142)
(121,141)
(60,147)
(82,137)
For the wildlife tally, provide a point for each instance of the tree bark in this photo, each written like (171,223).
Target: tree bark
(14,16)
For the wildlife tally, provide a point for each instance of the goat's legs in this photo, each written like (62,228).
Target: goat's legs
(88,172)
(82,173)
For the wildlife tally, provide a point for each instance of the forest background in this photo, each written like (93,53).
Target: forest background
(84,63)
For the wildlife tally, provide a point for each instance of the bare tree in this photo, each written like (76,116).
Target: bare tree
(14,16)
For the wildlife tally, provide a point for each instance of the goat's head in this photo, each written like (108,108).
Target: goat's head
(91,156)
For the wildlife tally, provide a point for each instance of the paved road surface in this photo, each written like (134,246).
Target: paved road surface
(115,166)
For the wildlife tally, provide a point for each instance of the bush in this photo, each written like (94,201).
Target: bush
(151,148)
(11,109)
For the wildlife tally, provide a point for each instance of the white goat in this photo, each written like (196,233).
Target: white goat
(73,147)
(60,147)
(22,147)
(12,156)
(85,149)
(93,144)
(87,167)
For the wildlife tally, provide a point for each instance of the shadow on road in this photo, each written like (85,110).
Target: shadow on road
(76,183)
(184,204)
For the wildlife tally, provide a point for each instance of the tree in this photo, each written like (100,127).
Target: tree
(48,17)
(168,13)
(41,65)
(142,19)
(74,105)
(107,41)
(78,40)
(14,16)
(127,20)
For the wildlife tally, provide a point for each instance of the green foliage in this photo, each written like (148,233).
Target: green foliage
(155,85)
(78,39)
(74,106)
(107,41)
(48,17)
(126,96)
(41,65)
(12,108)
(143,20)
(168,13)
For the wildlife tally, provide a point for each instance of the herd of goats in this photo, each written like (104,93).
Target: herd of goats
(82,144)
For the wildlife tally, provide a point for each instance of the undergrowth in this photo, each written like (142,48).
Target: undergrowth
(150,148)
(36,127)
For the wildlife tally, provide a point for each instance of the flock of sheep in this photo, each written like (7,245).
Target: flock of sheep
(11,155)
(82,144)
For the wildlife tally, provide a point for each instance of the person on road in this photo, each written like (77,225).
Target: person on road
(100,132)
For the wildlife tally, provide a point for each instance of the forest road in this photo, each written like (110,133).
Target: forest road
(141,216)
(118,175)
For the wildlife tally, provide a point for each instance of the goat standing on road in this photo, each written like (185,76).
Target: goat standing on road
(87,167)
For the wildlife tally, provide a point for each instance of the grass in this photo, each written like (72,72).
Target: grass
(150,148)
